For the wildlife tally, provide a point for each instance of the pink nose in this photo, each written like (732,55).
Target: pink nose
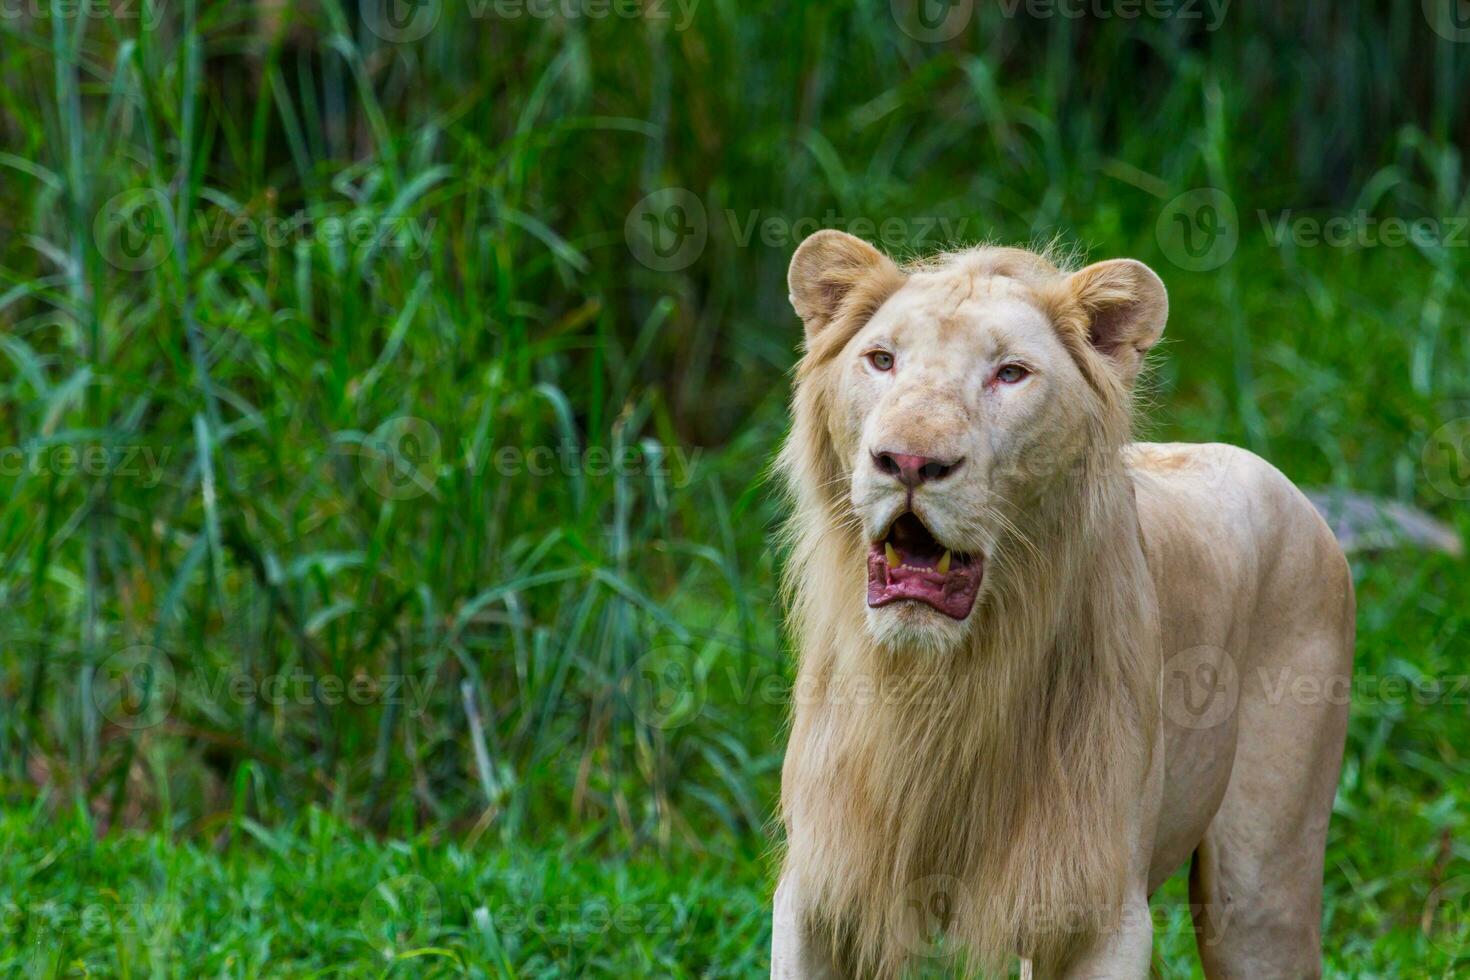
(914,470)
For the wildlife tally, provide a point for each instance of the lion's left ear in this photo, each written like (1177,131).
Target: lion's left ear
(1126,306)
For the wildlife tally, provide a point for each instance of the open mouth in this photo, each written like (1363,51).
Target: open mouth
(910,564)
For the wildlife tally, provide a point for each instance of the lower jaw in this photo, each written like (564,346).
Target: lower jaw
(957,610)
(952,594)
(906,628)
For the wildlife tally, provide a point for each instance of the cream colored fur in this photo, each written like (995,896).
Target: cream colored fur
(1005,777)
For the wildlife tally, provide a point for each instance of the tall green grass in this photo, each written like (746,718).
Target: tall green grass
(390,459)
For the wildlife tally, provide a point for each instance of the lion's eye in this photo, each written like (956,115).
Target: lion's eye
(881,359)
(1011,373)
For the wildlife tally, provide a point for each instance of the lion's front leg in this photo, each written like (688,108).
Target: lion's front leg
(1125,953)
(794,955)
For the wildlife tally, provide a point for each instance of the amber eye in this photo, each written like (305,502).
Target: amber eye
(881,359)
(1011,373)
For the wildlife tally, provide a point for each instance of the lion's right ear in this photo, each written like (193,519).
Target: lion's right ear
(833,272)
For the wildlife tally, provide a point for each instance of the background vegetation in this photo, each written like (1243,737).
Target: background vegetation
(385,553)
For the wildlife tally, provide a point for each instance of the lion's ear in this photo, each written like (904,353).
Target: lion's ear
(832,268)
(1126,306)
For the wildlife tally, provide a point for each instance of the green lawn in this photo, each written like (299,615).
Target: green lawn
(387,564)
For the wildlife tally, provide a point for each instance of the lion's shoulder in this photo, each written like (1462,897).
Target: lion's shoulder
(1221,491)
(1226,481)
(1220,521)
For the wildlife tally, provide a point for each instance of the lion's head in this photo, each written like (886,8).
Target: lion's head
(947,411)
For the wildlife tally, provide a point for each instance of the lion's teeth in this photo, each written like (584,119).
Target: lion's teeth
(943,566)
(890,554)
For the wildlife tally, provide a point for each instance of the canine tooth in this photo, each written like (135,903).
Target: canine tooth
(943,567)
(890,554)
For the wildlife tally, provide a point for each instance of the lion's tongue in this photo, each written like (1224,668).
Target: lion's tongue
(952,592)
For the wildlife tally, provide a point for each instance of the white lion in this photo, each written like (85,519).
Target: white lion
(1041,667)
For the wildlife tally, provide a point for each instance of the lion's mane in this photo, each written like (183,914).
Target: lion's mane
(986,788)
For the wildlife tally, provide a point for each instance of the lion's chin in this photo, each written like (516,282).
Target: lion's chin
(909,626)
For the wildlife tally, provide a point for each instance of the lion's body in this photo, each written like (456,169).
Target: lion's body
(1257,615)
(1015,779)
